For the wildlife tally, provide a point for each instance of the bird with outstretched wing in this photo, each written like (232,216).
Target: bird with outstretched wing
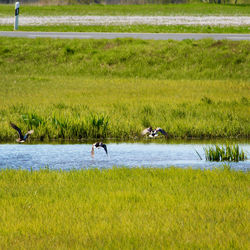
(153,132)
(146,131)
(98,145)
(22,138)
(157,130)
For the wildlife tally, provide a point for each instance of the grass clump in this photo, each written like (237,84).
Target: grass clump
(225,153)
(124,208)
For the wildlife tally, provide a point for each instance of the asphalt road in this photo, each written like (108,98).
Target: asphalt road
(100,35)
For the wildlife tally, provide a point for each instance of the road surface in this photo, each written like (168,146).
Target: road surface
(106,35)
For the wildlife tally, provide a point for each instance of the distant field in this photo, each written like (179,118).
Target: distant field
(124,209)
(114,88)
(149,9)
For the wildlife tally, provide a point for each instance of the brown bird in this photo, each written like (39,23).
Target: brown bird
(21,137)
(153,132)
(98,145)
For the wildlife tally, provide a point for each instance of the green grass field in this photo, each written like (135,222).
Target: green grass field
(147,9)
(132,28)
(75,89)
(124,209)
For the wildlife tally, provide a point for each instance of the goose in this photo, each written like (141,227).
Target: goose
(21,138)
(98,145)
(147,130)
(153,132)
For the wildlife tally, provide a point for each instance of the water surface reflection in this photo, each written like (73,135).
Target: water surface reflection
(69,156)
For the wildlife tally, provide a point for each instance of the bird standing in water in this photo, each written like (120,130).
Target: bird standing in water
(98,145)
(21,137)
(153,132)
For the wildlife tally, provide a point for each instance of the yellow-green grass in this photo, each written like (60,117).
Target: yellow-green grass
(124,209)
(71,107)
(74,89)
(132,28)
(146,9)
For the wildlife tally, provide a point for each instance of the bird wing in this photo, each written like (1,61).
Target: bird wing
(105,148)
(27,134)
(17,129)
(161,130)
(145,131)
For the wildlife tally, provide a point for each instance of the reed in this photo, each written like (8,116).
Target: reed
(225,153)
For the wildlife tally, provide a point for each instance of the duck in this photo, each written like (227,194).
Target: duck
(98,145)
(22,138)
(153,132)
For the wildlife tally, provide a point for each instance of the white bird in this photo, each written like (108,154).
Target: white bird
(98,145)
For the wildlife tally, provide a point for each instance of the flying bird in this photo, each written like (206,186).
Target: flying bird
(98,145)
(153,132)
(21,137)
(156,131)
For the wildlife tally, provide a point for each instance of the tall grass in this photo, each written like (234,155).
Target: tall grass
(77,107)
(114,89)
(225,153)
(124,208)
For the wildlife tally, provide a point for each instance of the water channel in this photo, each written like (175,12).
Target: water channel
(137,154)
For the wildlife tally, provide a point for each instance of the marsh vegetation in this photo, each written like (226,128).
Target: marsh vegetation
(225,153)
(124,208)
(115,88)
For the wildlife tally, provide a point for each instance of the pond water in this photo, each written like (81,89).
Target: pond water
(78,156)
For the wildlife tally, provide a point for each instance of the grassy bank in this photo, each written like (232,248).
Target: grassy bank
(192,60)
(77,107)
(124,208)
(147,9)
(133,28)
(76,89)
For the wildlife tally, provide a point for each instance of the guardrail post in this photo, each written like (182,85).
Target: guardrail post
(17,5)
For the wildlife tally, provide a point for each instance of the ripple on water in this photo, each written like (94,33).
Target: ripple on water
(77,156)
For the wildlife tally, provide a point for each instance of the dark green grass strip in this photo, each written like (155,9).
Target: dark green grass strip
(147,9)
(132,28)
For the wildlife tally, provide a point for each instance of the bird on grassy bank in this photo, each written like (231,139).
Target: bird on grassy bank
(146,131)
(98,145)
(153,132)
(21,137)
